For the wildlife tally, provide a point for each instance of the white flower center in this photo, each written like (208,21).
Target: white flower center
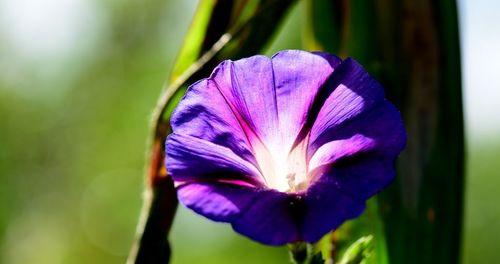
(283,170)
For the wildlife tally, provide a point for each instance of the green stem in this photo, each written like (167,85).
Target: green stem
(151,245)
(300,252)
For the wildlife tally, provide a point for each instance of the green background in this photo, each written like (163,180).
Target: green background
(75,102)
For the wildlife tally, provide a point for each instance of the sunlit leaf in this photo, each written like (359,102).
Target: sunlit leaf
(193,41)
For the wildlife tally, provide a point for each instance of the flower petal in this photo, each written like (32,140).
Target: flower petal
(362,177)
(338,149)
(379,130)
(272,219)
(248,87)
(328,206)
(190,158)
(298,77)
(204,113)
(220,202)
(266,216)
(237,126)
(349,92)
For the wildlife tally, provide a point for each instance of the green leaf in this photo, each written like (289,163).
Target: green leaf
(322,25)
(193,41)
(359,252)
(412,48)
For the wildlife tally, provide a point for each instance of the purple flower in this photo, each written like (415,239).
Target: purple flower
(284,148)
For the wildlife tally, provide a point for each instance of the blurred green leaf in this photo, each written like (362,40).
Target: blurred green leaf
(318,36)
(193,41)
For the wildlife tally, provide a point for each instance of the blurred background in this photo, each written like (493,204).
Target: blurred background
(78,81)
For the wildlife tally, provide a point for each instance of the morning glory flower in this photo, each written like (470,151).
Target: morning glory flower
(285,148)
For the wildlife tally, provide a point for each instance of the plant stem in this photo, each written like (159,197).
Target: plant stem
(300,252)
(151,245)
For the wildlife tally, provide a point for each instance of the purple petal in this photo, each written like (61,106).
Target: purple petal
(236,127)
(204,113)
(349,92)
(266,216)
(273,219)
(338,149)
(287,85)
(298,76)
(379,130)
(328,206)
(217,201)
(191,158)
(248,87)
(362,177)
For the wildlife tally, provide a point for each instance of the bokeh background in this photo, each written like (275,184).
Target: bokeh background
(78,81)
